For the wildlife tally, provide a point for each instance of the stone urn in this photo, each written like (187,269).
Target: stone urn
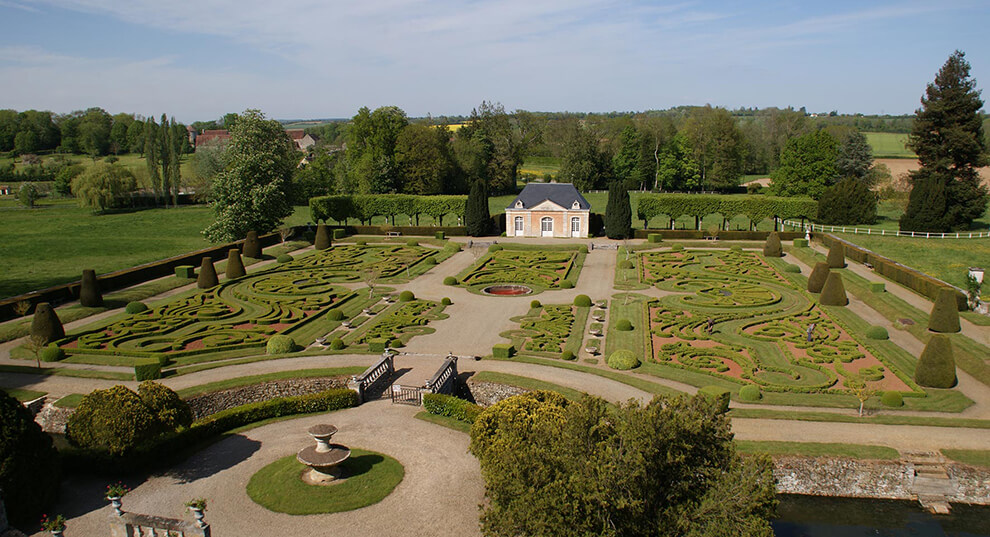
(323,458)
(198,515)
(116,502)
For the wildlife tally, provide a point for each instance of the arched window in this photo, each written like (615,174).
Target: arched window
(519,225)
(575,224)
(546,224)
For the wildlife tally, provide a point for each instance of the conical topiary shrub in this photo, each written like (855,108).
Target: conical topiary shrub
(818,276)
(46,324)
(89,290)
(322,241)
(771,248)
(937,367)
(207,274)
(833,293)
(252,246)
(945,314)
(837,256)
(235,267)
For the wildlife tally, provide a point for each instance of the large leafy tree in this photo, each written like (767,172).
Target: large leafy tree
(425,160)
(103,185)
(948,138)
(807,166)
(584,162)
(371,144)
(553,467)
(250,194)
(717,146)
(494,145)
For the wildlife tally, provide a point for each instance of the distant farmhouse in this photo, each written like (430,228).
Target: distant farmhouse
(212,137)
(548,210)
(300,140)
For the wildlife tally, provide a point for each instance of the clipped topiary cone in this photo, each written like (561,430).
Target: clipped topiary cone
(836,256)
(46,324)
(89,290)
(945,313)
(937,367)
(833,293)
(322,241)
(235,267)
(818,276)
(207,274)
(772,248)
(252,246)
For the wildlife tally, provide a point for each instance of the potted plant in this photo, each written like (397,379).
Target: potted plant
(115,492)
(55,525)
(197,506)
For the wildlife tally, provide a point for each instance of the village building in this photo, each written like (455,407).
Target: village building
(548,210)
(212,137)
(301,139)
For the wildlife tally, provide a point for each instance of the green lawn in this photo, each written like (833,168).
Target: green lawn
(540,166)
(52,244)
(22,395)
(815,449)
(975,457)
(444,421)
(132,161)
(370,478)
(945,259)
(527,383)
(889,145)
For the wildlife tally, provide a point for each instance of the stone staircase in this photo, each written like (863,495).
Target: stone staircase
(932,485)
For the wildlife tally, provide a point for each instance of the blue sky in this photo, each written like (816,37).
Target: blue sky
(326,58)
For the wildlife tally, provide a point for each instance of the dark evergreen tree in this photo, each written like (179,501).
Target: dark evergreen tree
(948,137)
(252,246)
(772,248)
(29,463)
(937,365)
(855,157)
(207,274)
(850,201)
(235,265)
(322,241)
(618,213)
(89,290)
(945,313)
(477,219)
(46,324)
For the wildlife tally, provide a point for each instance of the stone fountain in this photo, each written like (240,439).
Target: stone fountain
(324,458)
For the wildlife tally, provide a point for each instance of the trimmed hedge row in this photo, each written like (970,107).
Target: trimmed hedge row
(451,407)
(164,452)
(755,208)
(904,275)
(366,206)
(725,235)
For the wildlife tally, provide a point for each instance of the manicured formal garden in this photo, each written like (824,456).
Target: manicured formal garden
(540,267)
(552,331)
(745,323)
(298,301)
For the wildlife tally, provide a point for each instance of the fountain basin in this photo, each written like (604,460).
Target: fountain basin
(507,289)
(324,458)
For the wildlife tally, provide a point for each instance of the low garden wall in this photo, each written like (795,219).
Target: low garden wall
(904,275)
(488,393)
(690,234)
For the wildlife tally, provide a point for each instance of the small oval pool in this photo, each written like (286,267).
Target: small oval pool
(507,290)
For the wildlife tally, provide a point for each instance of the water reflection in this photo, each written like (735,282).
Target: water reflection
(810,516)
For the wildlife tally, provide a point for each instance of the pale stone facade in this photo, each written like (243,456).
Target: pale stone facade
(560,211)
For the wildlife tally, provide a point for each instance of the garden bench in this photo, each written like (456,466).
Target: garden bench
(868,265)
(390,234)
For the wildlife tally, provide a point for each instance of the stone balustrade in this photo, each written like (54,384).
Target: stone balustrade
(137,525)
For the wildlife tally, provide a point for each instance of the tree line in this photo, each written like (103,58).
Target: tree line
(93,132)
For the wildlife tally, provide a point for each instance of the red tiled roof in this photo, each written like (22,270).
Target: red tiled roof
(212,136)
(296,134)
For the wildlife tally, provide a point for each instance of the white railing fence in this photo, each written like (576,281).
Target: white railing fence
(887,232)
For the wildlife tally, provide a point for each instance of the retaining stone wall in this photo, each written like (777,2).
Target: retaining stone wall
(826,476)
(488,393)
(972,484)
(211,403)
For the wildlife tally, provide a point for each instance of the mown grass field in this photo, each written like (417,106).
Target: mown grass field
(54,242)
(889,145)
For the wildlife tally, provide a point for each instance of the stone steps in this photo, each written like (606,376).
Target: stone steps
(932,484)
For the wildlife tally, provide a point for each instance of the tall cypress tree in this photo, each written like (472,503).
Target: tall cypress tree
(152,152)
(174,173)
(477,219)
(618,213)
(948,138)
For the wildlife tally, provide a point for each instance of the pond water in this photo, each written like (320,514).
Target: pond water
(810,516)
